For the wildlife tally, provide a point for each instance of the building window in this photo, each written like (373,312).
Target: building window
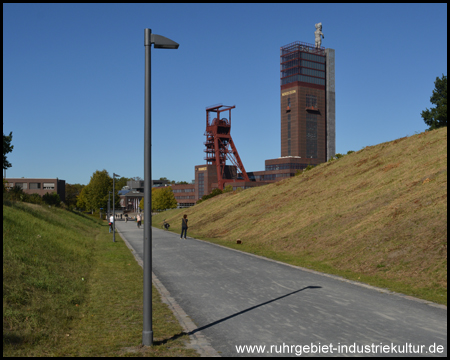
(49,186)
(313,65)
(303,78)
(23,186)
(311,101)
(288,166)
(35,185)
(201,187)
(289,134)
(311,136)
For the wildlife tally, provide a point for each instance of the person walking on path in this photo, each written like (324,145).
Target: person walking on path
(138,220)
(111,221)
(184,226)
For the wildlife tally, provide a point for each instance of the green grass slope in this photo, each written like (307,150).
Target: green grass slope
(46,252)
(378,215)
(69,290)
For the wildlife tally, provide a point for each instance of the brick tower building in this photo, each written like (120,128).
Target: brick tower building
(307,99)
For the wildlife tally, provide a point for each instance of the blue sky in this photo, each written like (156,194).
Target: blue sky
(73,80)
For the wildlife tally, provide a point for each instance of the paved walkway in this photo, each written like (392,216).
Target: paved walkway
(236,299)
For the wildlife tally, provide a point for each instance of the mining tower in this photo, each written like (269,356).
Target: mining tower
(220,145)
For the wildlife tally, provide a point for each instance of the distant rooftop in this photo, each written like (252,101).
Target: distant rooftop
(301,46)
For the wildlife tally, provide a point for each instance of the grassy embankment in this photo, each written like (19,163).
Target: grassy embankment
(68,290)
(378,216)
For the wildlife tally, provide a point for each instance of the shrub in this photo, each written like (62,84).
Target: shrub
(16,194)
(338,156)
(33,198)
(228,188)
(215,192)
(349,152)
(51,199)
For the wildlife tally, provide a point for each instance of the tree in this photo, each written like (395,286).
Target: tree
(437,117)
(121,182)
(72,193)
(141,203)
(82,202)
(95,194)
(163,198)
(7,148)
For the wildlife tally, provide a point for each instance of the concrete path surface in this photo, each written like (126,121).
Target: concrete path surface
(237,300)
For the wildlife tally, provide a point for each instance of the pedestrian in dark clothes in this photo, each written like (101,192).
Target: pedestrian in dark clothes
(184,226)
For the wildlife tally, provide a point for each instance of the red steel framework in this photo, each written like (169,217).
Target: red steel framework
(220,145)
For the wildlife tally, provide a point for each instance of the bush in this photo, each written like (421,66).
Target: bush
(33,198)
(215,192)
(228,188)
(309,167)
(16,194)
(51,199)
(350,152)
(338,156)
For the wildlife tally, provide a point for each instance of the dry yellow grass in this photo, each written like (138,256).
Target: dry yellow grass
(380,212)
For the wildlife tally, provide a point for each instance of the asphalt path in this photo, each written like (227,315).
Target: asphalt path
(238,299)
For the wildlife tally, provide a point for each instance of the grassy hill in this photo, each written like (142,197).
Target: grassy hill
(68,290)
(378,215)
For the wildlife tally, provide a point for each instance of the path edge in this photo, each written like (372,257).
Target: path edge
(198,341)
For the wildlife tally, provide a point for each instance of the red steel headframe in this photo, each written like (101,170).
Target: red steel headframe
(219,141)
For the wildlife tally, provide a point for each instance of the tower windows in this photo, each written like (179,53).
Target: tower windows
(311,136)
(311,101)
(289,134)
(201,185)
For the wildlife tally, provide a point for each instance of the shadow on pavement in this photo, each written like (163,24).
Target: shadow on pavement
(251,308)
(174,337)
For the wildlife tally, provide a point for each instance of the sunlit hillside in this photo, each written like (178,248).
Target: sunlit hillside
(377,215)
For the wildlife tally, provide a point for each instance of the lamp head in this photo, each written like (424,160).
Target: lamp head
(161,42)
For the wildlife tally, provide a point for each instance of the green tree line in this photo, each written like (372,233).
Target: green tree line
(162,199)
(95,195)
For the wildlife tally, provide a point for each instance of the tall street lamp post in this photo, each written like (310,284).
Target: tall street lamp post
(109,206)
(114,208)
(160,42)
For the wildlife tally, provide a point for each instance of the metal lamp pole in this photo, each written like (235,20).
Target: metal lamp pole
(160,42)
(109,206)
(114,208)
